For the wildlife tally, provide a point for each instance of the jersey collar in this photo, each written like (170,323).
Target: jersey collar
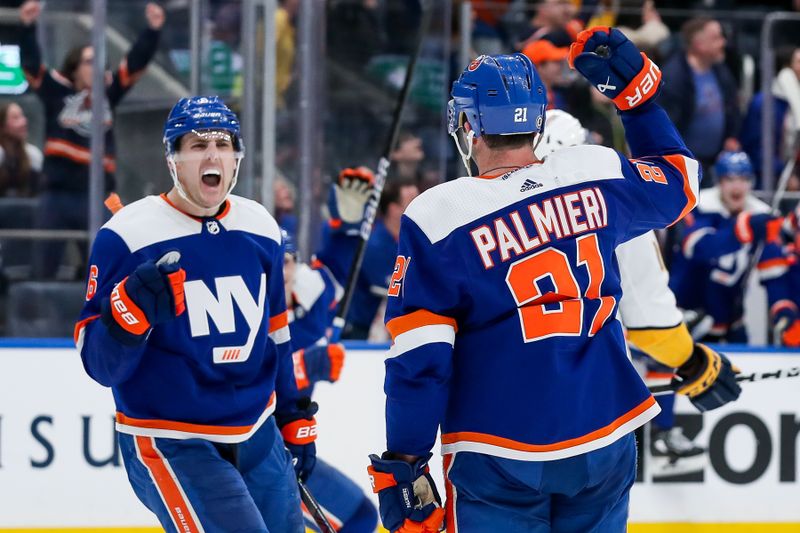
(219,216)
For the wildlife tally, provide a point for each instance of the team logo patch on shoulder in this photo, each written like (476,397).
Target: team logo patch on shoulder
(475,63)
(529,185)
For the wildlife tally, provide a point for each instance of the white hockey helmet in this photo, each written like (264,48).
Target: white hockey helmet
(561,130)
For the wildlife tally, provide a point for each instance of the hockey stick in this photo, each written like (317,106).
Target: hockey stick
(380,181)
(314,509)
(781,373)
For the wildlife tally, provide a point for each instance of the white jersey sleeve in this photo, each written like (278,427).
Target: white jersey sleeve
(647,302)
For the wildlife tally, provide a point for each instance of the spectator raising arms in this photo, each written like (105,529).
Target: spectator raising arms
(20,161)
(66,95)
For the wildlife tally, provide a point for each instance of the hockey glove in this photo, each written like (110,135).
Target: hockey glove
(758,228)
(407,496)
(791,335)
(784,315)
(707,378)
(299,430)
(151,295)
(318,363)
(348,198)
(613,64)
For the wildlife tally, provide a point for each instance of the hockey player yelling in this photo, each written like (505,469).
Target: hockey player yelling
(205,164)
(502,309)
(185,319)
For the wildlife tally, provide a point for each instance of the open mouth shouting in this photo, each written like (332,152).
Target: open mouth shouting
(211,178)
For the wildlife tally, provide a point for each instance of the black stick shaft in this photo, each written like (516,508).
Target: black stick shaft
(380,181)
(780,373)
(313,507)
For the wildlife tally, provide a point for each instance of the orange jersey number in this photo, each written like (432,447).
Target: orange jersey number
(396,282)
(536,321)
(91,286)
(650,173)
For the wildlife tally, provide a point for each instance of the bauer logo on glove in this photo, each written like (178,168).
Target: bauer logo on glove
(613,64)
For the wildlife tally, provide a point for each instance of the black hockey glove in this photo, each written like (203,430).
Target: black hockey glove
(708,378)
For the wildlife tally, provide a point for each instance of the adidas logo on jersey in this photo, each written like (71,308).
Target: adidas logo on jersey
(529,185)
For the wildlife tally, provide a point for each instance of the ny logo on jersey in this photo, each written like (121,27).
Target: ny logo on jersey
(201,304)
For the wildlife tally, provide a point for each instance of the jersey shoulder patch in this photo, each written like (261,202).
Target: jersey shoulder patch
(149,221)
(442,209)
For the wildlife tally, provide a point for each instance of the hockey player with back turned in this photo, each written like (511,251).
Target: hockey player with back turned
(502,309)
(658,337)
(185,319)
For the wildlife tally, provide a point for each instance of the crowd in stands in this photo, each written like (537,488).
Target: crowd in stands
(698,52)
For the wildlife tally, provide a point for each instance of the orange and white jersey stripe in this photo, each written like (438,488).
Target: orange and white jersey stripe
(279,328)
(418,329)
(510,449)
(171,429)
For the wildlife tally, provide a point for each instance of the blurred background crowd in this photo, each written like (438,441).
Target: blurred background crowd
(334,69)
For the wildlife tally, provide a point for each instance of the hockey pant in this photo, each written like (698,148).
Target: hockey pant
(347,507)
(586,493)
(195,485)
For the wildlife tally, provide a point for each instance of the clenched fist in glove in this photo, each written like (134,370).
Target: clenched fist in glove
(318,363)
(151,295)
(707,378)
(758,228)
(613,64)
(407,496)
(299,429)
(348,198)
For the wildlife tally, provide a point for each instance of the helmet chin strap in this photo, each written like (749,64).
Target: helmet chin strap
(173,171)
(465,156)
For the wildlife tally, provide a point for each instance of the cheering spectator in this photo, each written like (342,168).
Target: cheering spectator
(700,97)
(407,157)
(550,62)
(285,205)
(20,161)
(66,94)
(786,110)
(550,22)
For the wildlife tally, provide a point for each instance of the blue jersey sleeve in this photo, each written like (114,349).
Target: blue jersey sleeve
(421,316)
(106,360)
(662,178)
(705,243)
(773,273)
(280,337)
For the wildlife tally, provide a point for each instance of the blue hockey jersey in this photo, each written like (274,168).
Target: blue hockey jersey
(337,253)
(315,294)
(503,299)
(214,371)
(710,270)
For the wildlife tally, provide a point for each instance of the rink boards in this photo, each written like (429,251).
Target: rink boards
(60,471)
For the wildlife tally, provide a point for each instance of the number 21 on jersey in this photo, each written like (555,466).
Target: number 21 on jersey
(536,320)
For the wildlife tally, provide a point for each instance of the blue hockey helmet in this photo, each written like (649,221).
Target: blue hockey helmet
(733,164)
(497,95)
(198,114)
(289,246)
